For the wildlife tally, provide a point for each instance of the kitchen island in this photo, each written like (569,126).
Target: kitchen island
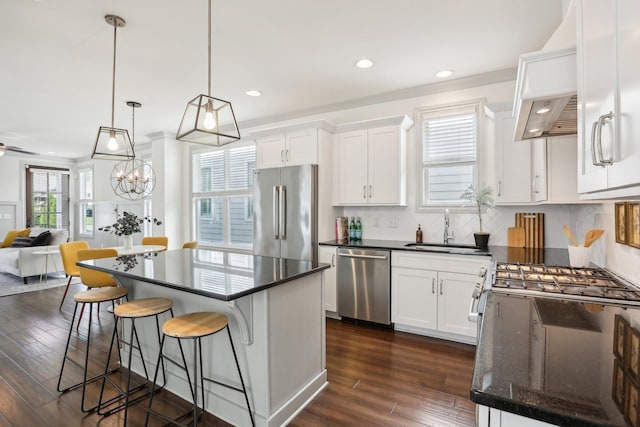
(276,317)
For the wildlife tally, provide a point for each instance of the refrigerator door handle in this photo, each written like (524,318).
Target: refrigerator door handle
(282,228)
(276,216)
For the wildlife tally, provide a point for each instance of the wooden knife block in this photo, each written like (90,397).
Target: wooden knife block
(533,224)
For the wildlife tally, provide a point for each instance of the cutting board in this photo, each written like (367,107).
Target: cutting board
(533,224)
(515,237)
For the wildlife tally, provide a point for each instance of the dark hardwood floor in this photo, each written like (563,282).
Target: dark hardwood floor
(376,377)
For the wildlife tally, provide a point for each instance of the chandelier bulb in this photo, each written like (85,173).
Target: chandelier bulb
(112,144)
(209,118)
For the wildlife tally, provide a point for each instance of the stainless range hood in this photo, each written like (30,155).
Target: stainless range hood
(546,94)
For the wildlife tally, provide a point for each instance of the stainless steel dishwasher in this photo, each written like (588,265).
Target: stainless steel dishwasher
(364,284)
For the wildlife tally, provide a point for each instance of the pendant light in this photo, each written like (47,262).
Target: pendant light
(112,143)
(133,179)
(208,120)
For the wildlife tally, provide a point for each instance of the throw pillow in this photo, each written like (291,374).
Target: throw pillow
(22,242)
(58,236)
(11,236)
(36,231)
(42,239)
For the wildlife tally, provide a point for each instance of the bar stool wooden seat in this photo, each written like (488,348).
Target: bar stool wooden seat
(195,326)
(133,310)
(92,296)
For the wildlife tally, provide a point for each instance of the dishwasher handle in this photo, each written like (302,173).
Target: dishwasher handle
(363,256)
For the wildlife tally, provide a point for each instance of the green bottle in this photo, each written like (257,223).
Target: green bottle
(352,230)
(358,230)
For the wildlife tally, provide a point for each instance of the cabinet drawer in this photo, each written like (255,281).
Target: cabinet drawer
(440,262)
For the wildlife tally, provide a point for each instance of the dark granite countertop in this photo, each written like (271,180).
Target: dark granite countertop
(550,360)
(214,274)
(549,256)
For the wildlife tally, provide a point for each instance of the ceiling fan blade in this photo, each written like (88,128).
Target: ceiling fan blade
(4,147)
(20,150)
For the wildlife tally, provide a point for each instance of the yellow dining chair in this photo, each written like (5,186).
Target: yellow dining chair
(156,240)
(92,278)
(190,245)
(69,255)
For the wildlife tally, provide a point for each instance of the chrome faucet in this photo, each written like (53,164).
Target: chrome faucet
(448,235)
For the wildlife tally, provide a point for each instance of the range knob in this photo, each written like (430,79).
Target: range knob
(483,272)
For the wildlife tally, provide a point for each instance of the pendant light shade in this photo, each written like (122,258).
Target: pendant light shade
(113,143)
(133,179)
(208,120)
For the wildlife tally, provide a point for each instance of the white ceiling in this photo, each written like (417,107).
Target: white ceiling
(56,58)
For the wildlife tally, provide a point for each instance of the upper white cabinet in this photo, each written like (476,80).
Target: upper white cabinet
(533,171)
(608,147)
(295,145)
(369,162)
(513,163)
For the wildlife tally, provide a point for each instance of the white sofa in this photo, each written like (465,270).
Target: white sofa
(23,263)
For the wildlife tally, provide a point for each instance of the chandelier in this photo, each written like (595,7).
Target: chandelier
(133,179)
(208,120)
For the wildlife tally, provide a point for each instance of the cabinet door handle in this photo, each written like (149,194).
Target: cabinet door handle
(286,155)
(441,283)
(499,188)
(534,184)
(603,120)
(433,285)
(364,191)
(282,155)
(333,260)
(370,190)
(594,160)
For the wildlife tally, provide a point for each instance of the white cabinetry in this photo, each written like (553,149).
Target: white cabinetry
(539,170)
(369,161)
(492,417)
(430,293)
(608,149)
(290,146)
(327,254)
(513,163)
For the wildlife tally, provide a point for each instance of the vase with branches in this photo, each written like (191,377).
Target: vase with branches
(128,224)
(479,198)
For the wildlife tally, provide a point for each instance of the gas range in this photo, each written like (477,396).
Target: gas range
(595,285)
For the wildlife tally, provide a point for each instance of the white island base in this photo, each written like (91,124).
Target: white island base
(279,334)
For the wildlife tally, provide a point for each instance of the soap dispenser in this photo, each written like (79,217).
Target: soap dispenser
(419,235)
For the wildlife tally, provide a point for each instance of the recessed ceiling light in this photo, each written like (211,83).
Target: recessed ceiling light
(364,63)
(444,73)
(533,130)
(51,152)
(253,93)
(543,110)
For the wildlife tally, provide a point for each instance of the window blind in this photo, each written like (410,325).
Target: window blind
(449,154)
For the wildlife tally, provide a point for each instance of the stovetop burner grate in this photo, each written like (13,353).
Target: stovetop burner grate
(559,280)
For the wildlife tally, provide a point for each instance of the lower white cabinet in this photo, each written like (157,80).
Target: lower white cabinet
(327,254)
(430,293)
(491,417)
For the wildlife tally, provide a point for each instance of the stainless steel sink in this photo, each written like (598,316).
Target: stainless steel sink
(448,248)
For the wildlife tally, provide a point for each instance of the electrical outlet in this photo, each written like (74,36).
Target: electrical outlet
(394,223)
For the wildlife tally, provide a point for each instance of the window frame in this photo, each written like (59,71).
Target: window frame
(226,195)
(84,202)
(66,203)
(445,110)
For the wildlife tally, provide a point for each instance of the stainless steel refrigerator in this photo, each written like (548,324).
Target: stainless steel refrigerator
(285,212)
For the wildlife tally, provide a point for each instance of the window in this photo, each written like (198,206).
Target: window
(449,153)
(223,196)
(85,202)
(47,197)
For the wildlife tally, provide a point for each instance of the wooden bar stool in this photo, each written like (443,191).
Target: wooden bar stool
(133,310)
(195,326)
(91,297)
